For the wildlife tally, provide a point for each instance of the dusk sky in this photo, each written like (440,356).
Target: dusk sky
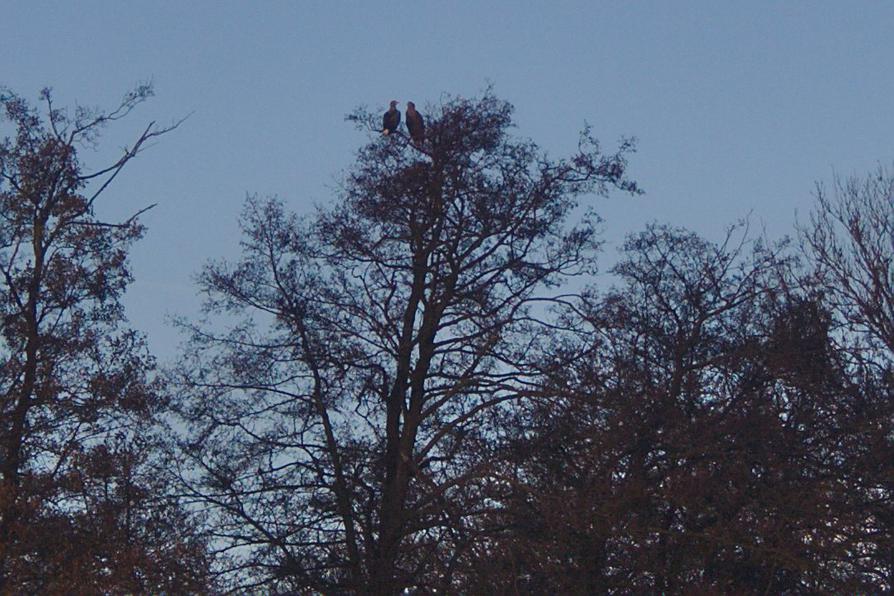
(738,108)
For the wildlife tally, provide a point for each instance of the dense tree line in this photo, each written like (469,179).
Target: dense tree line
(704,433)
(408,391)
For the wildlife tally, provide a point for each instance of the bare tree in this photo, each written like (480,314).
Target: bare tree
(75,386)
(340,431)
(850,240)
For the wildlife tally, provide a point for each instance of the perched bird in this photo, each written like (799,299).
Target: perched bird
(415,123)
(391,119)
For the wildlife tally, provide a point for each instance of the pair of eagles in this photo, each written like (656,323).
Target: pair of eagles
(415,124)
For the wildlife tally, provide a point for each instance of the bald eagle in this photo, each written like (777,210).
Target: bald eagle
(415,123)
(391,119)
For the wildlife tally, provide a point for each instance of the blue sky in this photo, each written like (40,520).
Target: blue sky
(738,107)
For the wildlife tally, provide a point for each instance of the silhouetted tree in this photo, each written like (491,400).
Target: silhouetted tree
(699,437)
(849,243)
(79,508)
(340,432)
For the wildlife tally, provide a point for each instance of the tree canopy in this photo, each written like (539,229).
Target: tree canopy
(421,386)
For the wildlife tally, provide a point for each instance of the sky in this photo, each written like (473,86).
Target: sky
(738,108)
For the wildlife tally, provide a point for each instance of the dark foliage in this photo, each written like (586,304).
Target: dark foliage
(79,506)
(706,432)
(400,394)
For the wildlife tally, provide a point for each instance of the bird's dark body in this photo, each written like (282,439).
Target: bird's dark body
(391,120)
(415,124)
